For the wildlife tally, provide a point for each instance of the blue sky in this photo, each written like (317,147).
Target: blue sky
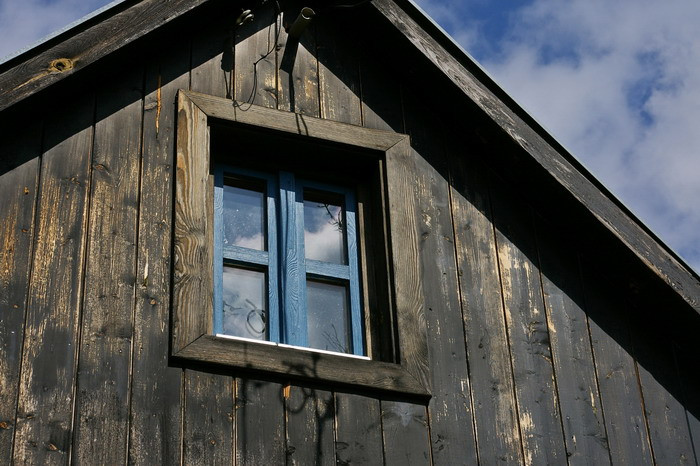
(618,83)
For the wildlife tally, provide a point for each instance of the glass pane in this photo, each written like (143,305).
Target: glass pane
(324,228)
(245,299)
(327,316)
(244,216)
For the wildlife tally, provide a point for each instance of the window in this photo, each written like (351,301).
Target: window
(281,173)
(285,260)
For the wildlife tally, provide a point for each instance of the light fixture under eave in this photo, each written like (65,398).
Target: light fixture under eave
(297,28)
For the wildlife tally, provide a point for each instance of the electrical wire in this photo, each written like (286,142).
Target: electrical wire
(273,47)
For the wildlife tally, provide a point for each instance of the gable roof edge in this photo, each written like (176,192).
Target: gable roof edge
(468,76)
(89,40)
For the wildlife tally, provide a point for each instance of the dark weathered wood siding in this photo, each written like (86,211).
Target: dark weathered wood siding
(541,351)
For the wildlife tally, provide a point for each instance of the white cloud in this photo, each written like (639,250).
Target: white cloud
(619,84)
(324,244)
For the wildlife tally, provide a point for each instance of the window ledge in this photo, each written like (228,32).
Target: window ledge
(303,364)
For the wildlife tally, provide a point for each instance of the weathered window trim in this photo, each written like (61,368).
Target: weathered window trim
(193,282)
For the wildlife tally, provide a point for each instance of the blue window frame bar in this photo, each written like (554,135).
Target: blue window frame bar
(284,260)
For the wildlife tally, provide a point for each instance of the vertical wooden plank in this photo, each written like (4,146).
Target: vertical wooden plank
(405,432)
(526,320)
(21,147)
(664,408)
(212,59)
(617,376)
(495,417)
(338,72)
(577,385)
(44,412)
(260,437)
(208,422)
(310,419)
(297,79)
(358,436)
(687,356)
(155,388)
(381,96)
(194,236)
(102,399)
(255,42)
(451,426)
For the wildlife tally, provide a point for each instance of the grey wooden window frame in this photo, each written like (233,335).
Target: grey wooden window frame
(193,287)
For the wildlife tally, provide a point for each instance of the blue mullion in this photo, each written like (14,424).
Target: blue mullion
(292,261)
(327,269)
(355,303)
(273,301)
(246,255)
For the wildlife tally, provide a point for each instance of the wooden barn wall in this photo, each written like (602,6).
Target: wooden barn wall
(537,354)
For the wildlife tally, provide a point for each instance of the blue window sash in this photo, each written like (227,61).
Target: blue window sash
(284,261)
(344,273)
(266,260)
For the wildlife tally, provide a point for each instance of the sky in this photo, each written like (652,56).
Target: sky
(617,83)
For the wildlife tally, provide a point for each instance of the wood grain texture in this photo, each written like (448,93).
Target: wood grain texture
(620,395)
(561,166)
(535,388)
(492,390)
(297,71)
(208,431)
(293,123)
(576,378)
(260,435)
(382,106)
(668,426)
(451,423)
(405,433)
(192,283)
(310,417)
(256,83)
(669,432)
(338,73)
(155,419)
(47,382)
(18,191)
(296,364)
(358,439)
(213,59)
(75,50)
(687,356)
(409,295)
(104,364)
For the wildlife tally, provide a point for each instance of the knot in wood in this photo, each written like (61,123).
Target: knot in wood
(60,65)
